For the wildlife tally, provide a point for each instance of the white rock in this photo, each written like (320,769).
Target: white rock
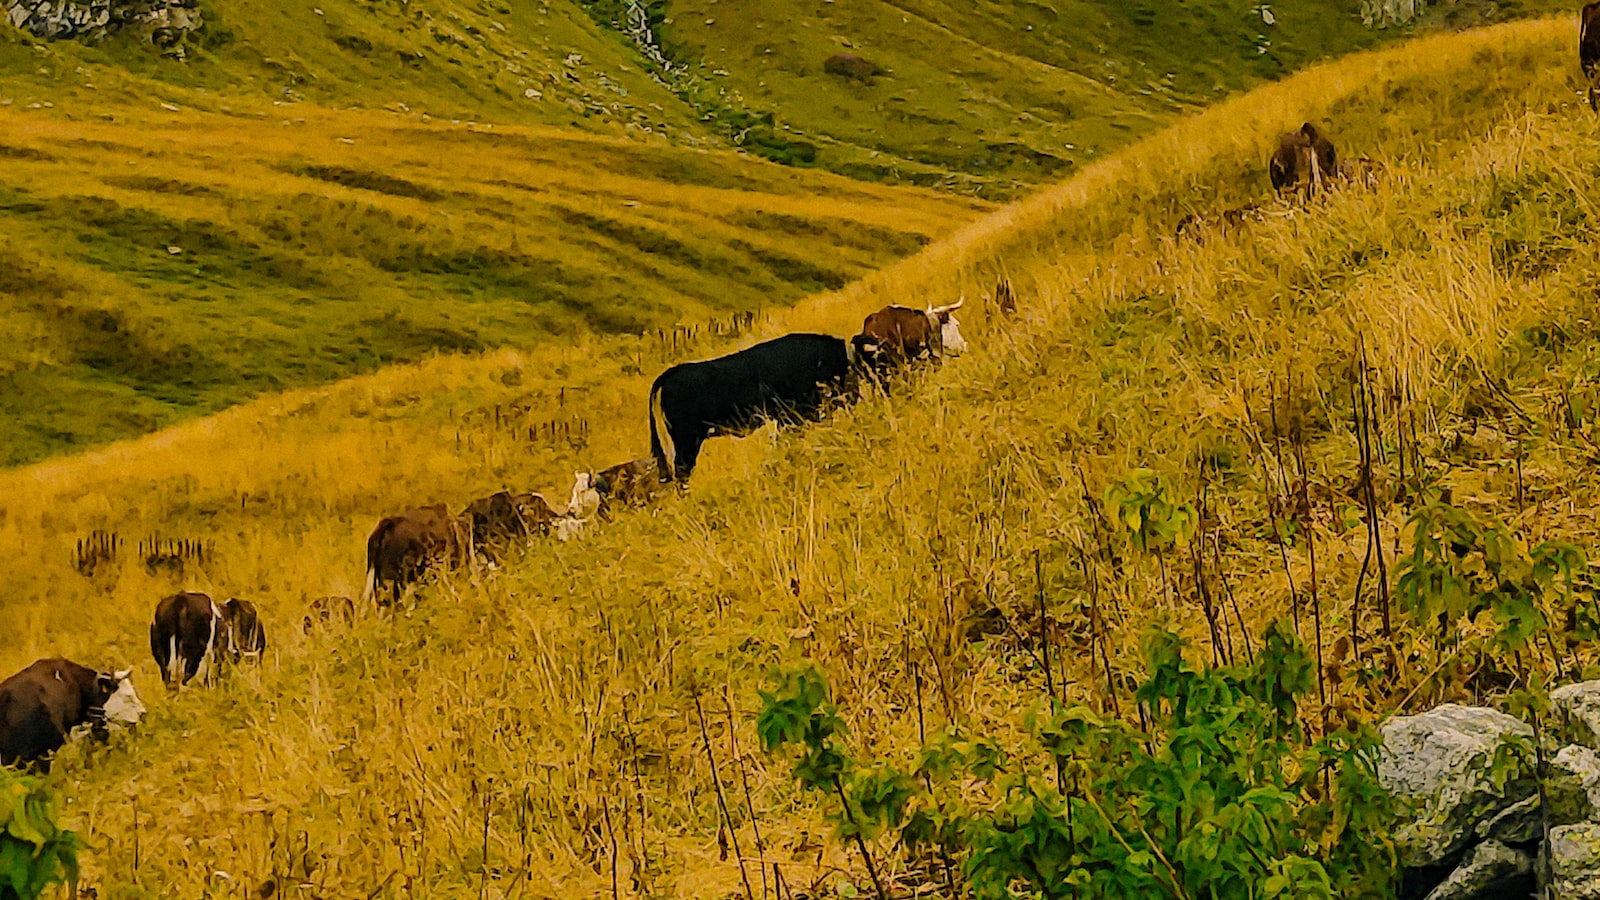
(1439,763)
(1575,861)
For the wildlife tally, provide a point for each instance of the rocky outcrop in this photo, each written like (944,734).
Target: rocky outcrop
(1384,13)
(1441,764)
(165,23)
(1477,824)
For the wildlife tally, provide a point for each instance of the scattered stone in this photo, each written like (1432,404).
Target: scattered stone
(1575,861)
(164,23)
(1575,709)
(1439,763)
(1491,870)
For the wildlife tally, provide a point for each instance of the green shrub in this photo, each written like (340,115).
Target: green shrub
(35,853)
(1224,792)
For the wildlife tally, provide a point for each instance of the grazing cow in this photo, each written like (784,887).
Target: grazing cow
(903,334)
(401,548)
(191,635)
(1303,160)
(632,483)
(852,67)
(784,378)
(1005,299)
(328,610)
(1589,46)
(502,519)
(42,706)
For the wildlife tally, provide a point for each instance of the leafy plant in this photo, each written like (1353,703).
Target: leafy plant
(1139,506)
(1222,794)
(35,853)
(1462,570)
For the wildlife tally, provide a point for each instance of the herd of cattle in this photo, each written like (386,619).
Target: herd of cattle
(787,379)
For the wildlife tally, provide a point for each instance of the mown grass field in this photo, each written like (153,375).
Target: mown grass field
(533,732)
(170,264)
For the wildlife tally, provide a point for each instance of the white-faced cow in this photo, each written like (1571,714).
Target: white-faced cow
(401,548)
(192,635)
(1303,161)
(42,706)
(1589,45)
(782,379)
(903,334)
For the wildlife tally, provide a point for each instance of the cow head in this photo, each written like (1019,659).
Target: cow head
(949,328)
(122,706)
(585,499)
(862,351)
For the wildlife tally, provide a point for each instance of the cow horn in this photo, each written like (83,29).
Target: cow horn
(121,675)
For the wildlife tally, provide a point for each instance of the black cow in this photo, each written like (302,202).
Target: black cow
(41,705)
(1589,45)
(191,635)
(785,378)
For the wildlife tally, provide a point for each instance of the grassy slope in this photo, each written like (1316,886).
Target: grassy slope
(338,242)
(557,694)
(290,193)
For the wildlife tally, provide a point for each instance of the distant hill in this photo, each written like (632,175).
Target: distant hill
(980,95)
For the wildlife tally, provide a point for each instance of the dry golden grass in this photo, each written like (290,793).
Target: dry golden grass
(547,713)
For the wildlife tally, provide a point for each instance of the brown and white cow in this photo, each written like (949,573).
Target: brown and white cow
(1303,161)
(1589,46)
(192,635)
(328,610)
(43,705)
(503,520)
(633,483)
(401,548)
(903,334)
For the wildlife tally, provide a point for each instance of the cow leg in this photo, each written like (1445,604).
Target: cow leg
(688,451)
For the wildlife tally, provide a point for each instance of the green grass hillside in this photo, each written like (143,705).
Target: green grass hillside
(535,731)
(315,191)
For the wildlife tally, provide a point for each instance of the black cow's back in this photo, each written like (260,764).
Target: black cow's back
(782,378)
(41,704)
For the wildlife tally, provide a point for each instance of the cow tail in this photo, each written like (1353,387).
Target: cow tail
(661,445)
(374,546)
(174,661)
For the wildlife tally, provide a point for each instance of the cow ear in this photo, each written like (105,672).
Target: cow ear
(106,684)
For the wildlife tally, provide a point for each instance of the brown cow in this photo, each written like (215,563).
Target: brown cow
(1304,159)
(42,705)
(903,334)
(1589,46)
(191,635)
(633,483)
(401,548)
(852,67)
(328,610)
(503,519)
